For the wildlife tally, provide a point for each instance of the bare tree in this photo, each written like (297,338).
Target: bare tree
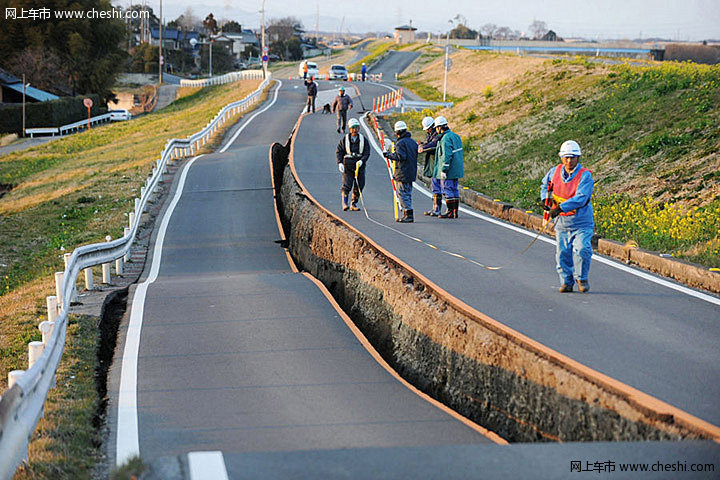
(489,29)
(503,33)
(42,67)
(538,28)
(210,25)
(460,19)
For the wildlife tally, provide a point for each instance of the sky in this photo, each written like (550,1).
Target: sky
(686,20)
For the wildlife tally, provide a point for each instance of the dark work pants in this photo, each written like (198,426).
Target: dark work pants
(348,178)
(341,119)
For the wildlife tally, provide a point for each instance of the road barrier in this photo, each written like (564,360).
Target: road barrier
(71,127)
(223,79)
(21,405)
(387,101)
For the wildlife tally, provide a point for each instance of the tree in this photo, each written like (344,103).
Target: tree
(222,60)
(232,27)
(503,33)
(41,65)
(284,38)
(461,31)
(210,25)
(489,29)
(88,48)
(538,29)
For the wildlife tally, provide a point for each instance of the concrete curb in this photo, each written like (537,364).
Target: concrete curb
(690,274)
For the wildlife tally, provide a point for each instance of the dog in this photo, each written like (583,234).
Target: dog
(326,109)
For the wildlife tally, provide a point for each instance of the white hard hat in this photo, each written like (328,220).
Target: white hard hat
(400,126)
(353,122)
(570,148)
(427,122)
(440,121)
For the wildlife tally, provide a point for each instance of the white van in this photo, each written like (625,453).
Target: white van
(312,69)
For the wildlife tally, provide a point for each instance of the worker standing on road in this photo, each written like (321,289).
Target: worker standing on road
(428,148)
(352,153)
(341,105)
(570,187)
(405,171)
(311,93)
(305,70)
(363,71)
(449,166)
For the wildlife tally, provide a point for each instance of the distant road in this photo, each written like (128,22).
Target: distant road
(394,62)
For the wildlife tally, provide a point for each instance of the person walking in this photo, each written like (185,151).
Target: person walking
(311,94)
(352,153)
(341,105)
(428,148)
(405,171)
(449,166)
(305,70)
(569,187)
(363,71)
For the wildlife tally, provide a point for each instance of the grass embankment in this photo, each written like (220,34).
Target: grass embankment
(375,49)
(67,193)
(649,134)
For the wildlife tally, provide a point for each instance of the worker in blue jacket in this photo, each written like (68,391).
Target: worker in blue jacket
(405,172)
(569,187)
(449,166)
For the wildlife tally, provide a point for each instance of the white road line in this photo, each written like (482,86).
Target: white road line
(234,137)
(596,257)
(128,442)
(207,466)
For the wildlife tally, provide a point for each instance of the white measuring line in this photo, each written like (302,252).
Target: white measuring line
(596,257)
(128,442)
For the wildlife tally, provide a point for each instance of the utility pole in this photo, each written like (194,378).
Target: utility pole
(263,39)
(447,57)
(23,125)
(160,56)
(317,23)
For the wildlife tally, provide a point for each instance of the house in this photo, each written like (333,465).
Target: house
(242,40)
(11,90)
(405,34)
(551,36)
(222,40)
(173,39)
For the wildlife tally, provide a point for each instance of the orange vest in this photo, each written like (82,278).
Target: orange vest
(561,191)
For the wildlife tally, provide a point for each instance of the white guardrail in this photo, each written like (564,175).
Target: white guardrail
(222,79)
(21,405)
(105,117)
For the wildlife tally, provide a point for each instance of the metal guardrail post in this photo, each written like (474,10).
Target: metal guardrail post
(89,285)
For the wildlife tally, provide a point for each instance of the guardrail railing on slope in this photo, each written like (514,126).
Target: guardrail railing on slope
(82,124)
(21,405)
(222,79)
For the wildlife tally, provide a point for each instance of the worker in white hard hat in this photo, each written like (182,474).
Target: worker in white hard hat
(428,148)
(405,172)
(352,153)
(449,166)
(341,105)
(566,193)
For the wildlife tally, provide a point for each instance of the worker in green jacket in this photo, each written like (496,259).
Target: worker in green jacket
(449,166)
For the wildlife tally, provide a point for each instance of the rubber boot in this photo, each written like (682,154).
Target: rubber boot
(437,204)
(407,217)
(344,199)
(452,208)
(353,203)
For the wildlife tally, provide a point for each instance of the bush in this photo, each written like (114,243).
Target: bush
(53,113)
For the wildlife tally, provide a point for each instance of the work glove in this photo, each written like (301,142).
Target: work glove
(555,212)
(443,176)
(341,167)
(359,163)
(545,206)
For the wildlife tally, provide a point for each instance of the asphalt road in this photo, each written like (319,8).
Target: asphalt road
(394,62)
(239,354)
(656,339)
